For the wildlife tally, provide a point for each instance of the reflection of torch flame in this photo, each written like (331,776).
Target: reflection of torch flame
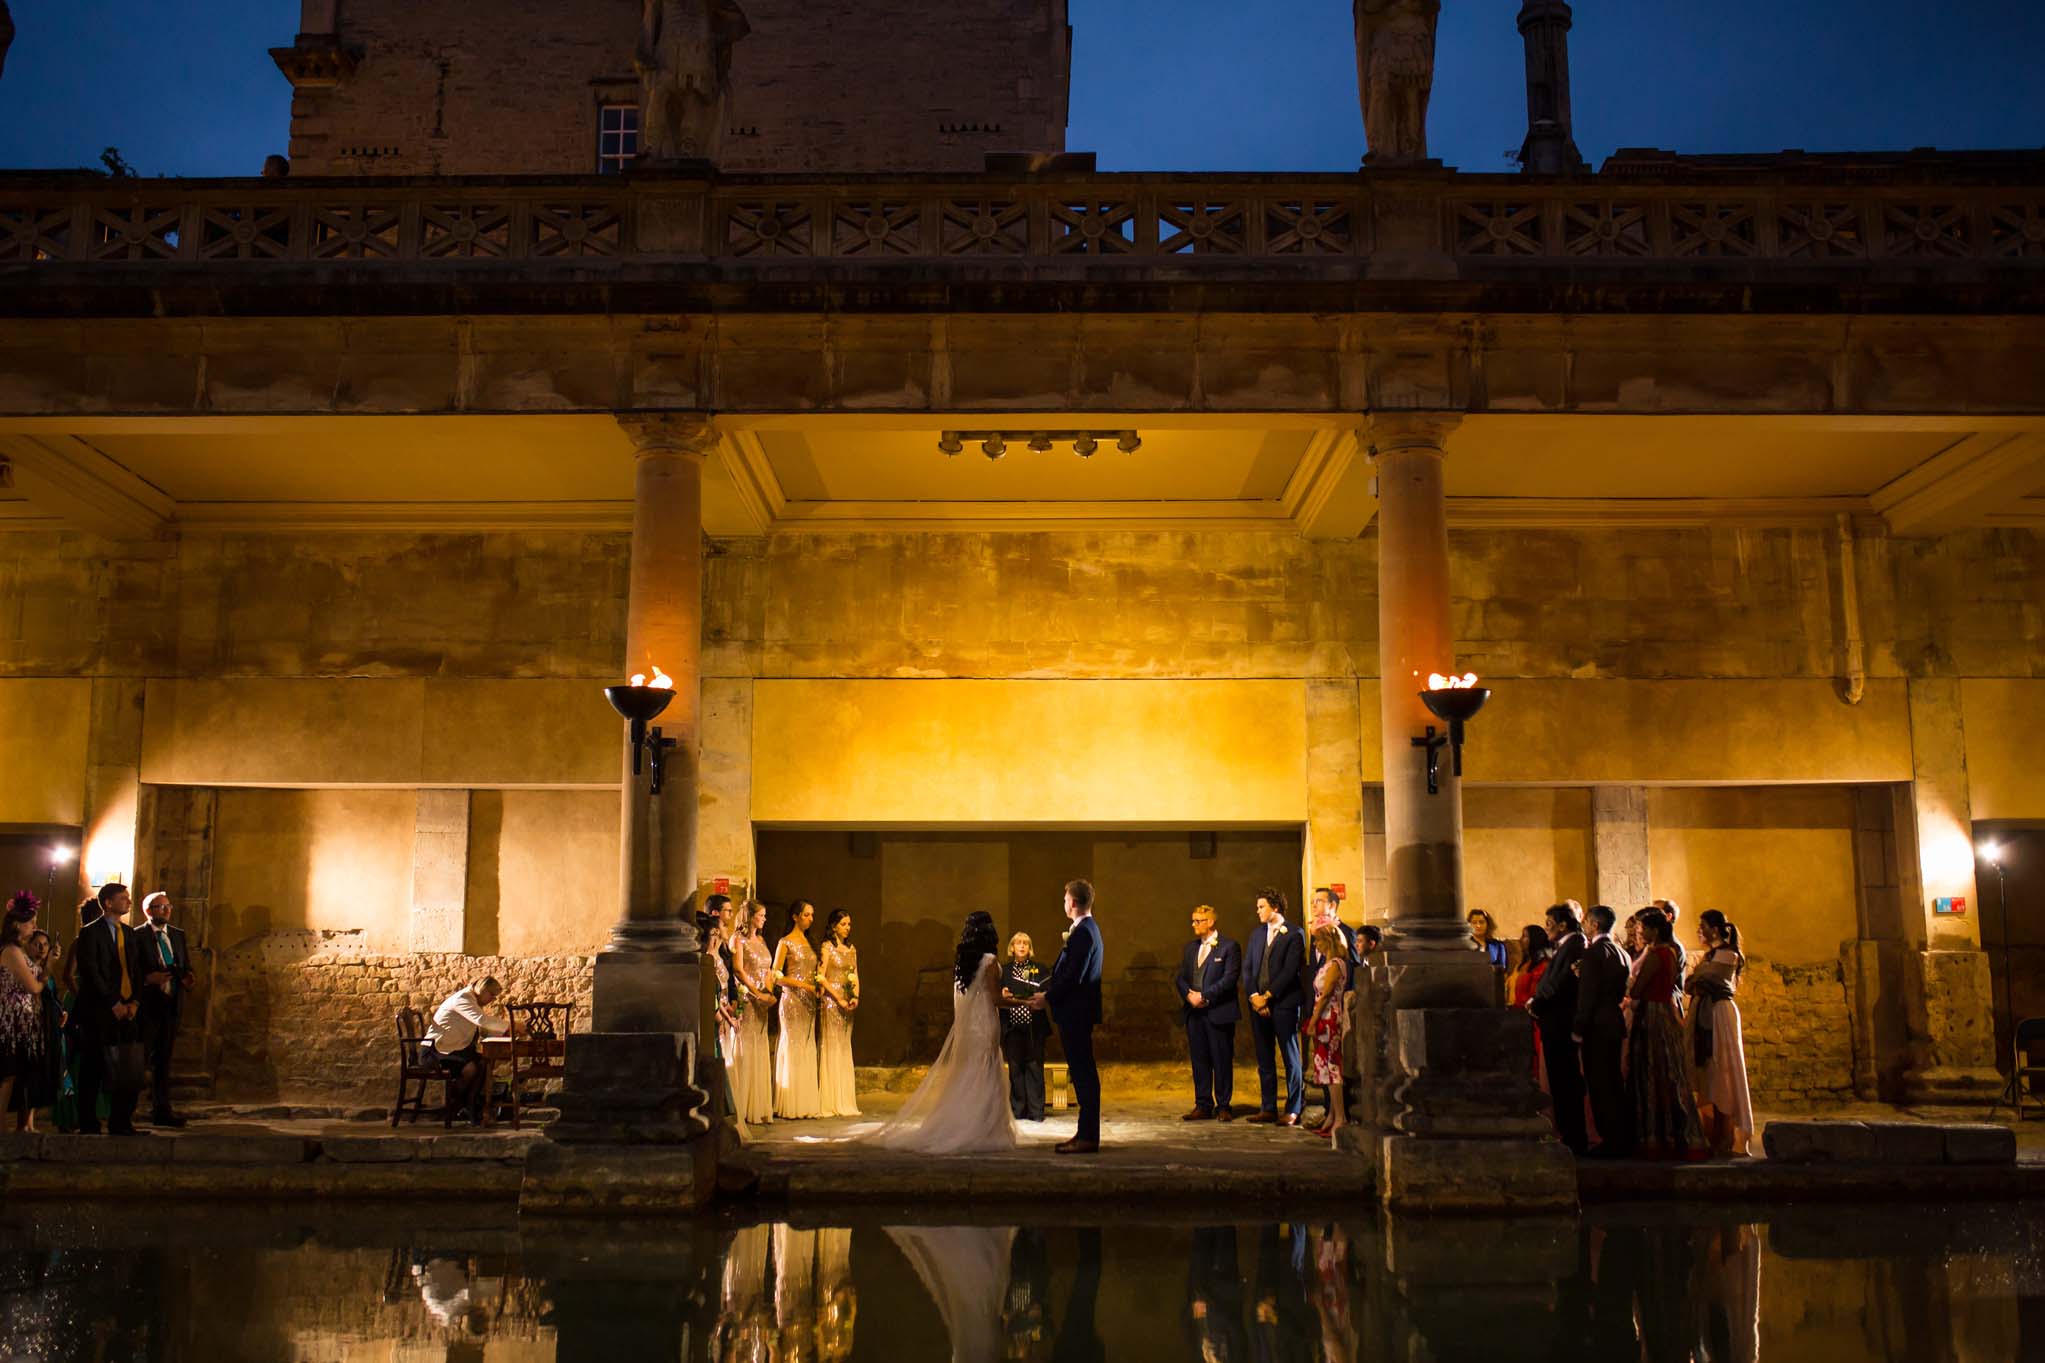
(661,680)
(1437,682)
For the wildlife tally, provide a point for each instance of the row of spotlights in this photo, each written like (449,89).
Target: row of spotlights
(994,444)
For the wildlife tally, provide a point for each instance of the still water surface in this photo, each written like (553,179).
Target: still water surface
(1921,1284)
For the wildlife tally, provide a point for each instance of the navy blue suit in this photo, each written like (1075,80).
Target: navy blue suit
(1211,1028)
(1072,996)
(1280,1027)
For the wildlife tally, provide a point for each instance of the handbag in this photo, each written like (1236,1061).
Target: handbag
(124,1067)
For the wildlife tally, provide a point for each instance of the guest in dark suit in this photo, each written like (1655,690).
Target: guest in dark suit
(1554,1010)
(1024,1029)
(1600,1029)
(167,974)
(110,975)
(1210,970)
(1073,997)
(1272,969)
(1278,1329)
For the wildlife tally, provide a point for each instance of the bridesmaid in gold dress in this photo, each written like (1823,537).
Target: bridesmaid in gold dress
(753,1072)
(837,1094)
(795,1059)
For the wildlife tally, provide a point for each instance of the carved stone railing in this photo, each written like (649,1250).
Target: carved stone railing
(70,220)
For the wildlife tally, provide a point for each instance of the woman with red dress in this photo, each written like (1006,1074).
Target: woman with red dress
(1521,984)
(1326,1023)
(1657,1070)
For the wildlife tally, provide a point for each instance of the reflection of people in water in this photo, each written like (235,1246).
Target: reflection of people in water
(745,1327)
(1214,1297)
(1331,1293)
(837,1299)
(1278,1329)
(1673,1293)
(1728,1294)
(795,1291)
(445,1289)
(1025,1313)
(965,1271)
(1079,1340)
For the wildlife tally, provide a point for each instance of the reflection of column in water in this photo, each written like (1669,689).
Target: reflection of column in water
(745,1327)
(795,1279)
(837,1299)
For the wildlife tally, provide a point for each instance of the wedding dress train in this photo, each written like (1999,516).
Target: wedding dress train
(965,1271)
(961,1107)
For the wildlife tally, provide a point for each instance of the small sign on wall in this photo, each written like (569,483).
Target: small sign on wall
(1954,906)
(721,885)
(1341,890)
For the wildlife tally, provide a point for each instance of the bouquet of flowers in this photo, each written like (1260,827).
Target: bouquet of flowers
(852,985)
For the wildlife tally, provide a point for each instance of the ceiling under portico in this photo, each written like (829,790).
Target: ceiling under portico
(133,476)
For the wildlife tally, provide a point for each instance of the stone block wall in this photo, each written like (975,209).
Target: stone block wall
(1799,1034)
(310,1016)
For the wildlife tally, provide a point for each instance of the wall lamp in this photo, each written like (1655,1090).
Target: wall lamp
(994,444)
(640,702)
(1455,700)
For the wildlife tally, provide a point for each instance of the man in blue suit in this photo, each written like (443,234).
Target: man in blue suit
(1209,973)
(1073,998)
(1273,970)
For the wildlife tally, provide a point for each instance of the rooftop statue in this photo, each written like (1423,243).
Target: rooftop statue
(684,63)
(1395,75)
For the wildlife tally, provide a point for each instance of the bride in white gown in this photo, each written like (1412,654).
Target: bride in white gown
(961,1107)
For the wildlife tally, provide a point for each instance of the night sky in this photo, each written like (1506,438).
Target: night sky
(184,87)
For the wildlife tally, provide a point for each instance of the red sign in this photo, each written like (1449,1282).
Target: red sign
(1340,889)
(723,884)
(1955,907)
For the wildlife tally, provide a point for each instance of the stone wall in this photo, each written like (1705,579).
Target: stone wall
(1799,1034)
(514,86)
(310,1016)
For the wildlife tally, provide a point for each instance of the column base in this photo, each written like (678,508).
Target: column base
(618,1180)
(1952,1044)
(1952,1087)
(652,988)
(1445,977)
(1419,1173)
(629,1088)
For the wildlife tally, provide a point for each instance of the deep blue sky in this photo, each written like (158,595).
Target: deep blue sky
(184,87)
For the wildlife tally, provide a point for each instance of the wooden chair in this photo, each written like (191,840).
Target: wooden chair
(414,1067)
(539,1047)
(2027,1075)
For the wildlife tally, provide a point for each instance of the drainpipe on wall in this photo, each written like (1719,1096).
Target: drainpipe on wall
(1853,654)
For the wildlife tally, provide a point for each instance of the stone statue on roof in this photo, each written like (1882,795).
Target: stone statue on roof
(1395,76)
(684,63)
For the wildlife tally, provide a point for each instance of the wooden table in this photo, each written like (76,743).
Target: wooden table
(490,1052)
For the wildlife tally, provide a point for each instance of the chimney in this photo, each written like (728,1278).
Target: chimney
(1550,148)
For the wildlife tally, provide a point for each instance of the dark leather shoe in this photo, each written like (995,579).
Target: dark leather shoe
(1222,1114)
(1076,1146)
(1198,1114)
(1261,1117)
(1289,1119)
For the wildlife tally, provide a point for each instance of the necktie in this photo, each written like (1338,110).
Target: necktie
(121,952)
(1205,947)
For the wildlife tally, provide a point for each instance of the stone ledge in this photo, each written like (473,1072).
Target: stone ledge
(370,1149)
(1888,1144)
(206,1148)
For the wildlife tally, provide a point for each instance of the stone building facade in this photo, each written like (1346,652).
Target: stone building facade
(1063,550)
(533,87)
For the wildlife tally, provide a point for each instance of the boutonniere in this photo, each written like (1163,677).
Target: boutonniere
(1282,930)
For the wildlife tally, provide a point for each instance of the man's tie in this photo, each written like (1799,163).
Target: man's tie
(121,951)
(1205,947)
(170,960)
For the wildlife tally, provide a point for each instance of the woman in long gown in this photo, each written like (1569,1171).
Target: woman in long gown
(1326,1024)
(1718,1057)
(961,1107)
(715,942)
(795,1058)
(1521,984)
(837,1092)
(22,1041)
(1664,1115)
(753,1073)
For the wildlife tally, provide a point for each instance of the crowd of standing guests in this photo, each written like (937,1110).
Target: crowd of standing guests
(785,1012)
(1637,1047)
(84,1033)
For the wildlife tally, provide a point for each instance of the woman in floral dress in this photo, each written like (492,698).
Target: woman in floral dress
(1657,1072)
(1326,1023)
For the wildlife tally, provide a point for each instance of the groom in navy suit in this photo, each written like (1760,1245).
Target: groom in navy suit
(1209,973)
(1073,997)
(1273,972)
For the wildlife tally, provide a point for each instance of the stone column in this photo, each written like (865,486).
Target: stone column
(635,988)
(1448,1076)
(1949,994)
(1423,832)
(1550,147)
(1619,846)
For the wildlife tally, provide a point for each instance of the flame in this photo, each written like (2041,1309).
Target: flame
(1437,682)
(661,680)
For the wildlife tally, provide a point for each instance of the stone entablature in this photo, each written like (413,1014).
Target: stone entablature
(1434,225)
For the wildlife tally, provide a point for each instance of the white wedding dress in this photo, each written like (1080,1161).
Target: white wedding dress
(961,1107)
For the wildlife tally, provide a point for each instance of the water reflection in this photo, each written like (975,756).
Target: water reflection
(1646,1286)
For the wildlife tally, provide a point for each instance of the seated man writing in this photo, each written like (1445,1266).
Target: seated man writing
(464,1018)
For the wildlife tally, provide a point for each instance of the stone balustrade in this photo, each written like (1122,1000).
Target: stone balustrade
(1699,221)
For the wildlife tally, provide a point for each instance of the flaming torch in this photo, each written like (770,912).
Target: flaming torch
(640,702)
(1455,700)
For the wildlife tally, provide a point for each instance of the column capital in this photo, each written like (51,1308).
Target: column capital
(693,434)
(1407,430)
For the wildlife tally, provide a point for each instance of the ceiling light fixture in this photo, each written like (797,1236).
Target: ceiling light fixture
(994,444)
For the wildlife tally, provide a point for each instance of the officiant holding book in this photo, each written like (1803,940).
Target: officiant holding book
(1024,1029)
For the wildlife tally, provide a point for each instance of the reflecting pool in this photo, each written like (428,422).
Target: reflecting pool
(1922,1284)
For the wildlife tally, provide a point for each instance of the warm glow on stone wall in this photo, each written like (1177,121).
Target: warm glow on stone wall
(874,753)
(43,725)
